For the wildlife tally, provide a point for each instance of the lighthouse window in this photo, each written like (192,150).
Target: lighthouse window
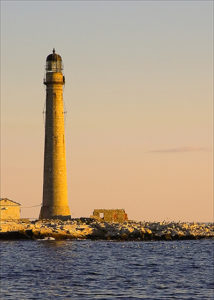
(54,66)
(102,215)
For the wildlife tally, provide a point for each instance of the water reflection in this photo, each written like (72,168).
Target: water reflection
(53,243)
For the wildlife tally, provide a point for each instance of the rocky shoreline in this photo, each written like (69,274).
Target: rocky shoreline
(89,228)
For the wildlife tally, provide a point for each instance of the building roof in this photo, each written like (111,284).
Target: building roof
(1,199)
(54,57)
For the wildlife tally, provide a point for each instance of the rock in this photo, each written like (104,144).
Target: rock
(93,229)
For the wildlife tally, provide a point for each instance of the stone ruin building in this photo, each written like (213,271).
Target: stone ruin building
(110,215)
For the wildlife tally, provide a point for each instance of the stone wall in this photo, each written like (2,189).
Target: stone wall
(110,215)
(55,198)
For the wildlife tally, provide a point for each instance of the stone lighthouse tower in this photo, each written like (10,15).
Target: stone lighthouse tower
(55,199)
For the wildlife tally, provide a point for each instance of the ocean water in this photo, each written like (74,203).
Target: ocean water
(107,270)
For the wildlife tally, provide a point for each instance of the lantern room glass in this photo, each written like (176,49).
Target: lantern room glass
(54,66)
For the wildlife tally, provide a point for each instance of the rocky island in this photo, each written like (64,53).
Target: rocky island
(89,228)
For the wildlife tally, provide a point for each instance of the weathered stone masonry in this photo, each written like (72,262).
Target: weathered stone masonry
(110,215)
(55,199)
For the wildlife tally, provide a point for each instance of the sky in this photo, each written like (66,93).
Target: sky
(139,103)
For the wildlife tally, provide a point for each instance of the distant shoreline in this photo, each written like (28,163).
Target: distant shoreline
(89,228)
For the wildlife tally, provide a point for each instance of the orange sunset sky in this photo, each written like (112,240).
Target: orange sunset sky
(139,102)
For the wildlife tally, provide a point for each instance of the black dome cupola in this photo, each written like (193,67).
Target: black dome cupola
(54,57)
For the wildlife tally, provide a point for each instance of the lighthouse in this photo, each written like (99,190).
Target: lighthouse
(55,198)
